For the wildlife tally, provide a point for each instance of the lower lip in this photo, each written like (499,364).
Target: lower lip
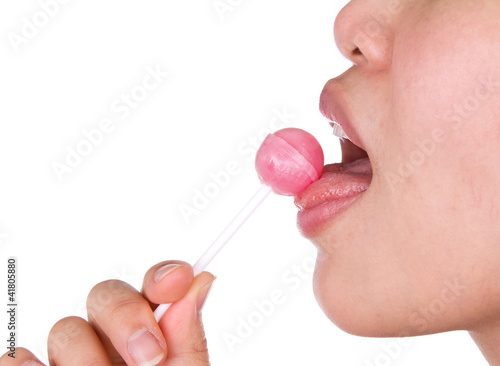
(338,188)
(313,220)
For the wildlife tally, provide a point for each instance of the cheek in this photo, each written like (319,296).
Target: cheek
(444,127)
(434,208)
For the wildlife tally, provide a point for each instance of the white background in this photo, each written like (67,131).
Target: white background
(118,212)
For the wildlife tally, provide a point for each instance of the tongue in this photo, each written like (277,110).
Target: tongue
(337,181)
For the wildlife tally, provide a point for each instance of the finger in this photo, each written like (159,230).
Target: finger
(125,324)
(20,357)
(167,282)
(183,328)
(72,341)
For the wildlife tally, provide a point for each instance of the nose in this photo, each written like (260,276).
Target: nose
(364,32)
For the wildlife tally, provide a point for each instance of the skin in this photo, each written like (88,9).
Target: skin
(419,251)
(116,311)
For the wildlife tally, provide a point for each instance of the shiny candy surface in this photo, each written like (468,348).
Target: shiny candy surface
(289,160)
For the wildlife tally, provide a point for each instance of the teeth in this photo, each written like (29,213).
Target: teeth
(338,131)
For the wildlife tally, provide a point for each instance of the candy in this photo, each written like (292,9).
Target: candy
(289,160)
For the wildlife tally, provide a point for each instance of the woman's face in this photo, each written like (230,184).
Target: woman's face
(419,250)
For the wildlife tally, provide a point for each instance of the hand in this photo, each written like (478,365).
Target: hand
(121,329)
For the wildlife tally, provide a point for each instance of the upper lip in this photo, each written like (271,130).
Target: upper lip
(334,107)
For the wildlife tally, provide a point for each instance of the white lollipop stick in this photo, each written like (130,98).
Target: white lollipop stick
(288,161)
(222,239)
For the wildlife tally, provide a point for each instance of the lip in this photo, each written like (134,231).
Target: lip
(312,222)
(334,107)
(339,186)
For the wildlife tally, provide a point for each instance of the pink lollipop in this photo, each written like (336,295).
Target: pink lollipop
(287,162)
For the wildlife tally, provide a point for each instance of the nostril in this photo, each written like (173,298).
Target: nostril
(364,33)
(358,57)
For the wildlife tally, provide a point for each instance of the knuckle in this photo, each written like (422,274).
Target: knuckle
(113,300)
(20,356)
(199,358)
(200,347)
(98,363)
(198,355)
(127,307)
(104,294)
(64,333)
(67,328)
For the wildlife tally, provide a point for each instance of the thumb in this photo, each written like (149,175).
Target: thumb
(183,328)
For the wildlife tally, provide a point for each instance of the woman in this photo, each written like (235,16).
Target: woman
(412,245)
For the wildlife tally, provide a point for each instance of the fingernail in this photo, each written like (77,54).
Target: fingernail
(32,363)
(145,349)
(202,296)
(165,270)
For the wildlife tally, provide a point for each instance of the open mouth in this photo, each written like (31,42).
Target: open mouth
(339,186)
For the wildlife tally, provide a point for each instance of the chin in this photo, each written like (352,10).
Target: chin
(340,302)
(384,309)
(368,311)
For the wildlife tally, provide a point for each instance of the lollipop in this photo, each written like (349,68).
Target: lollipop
(287,162)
